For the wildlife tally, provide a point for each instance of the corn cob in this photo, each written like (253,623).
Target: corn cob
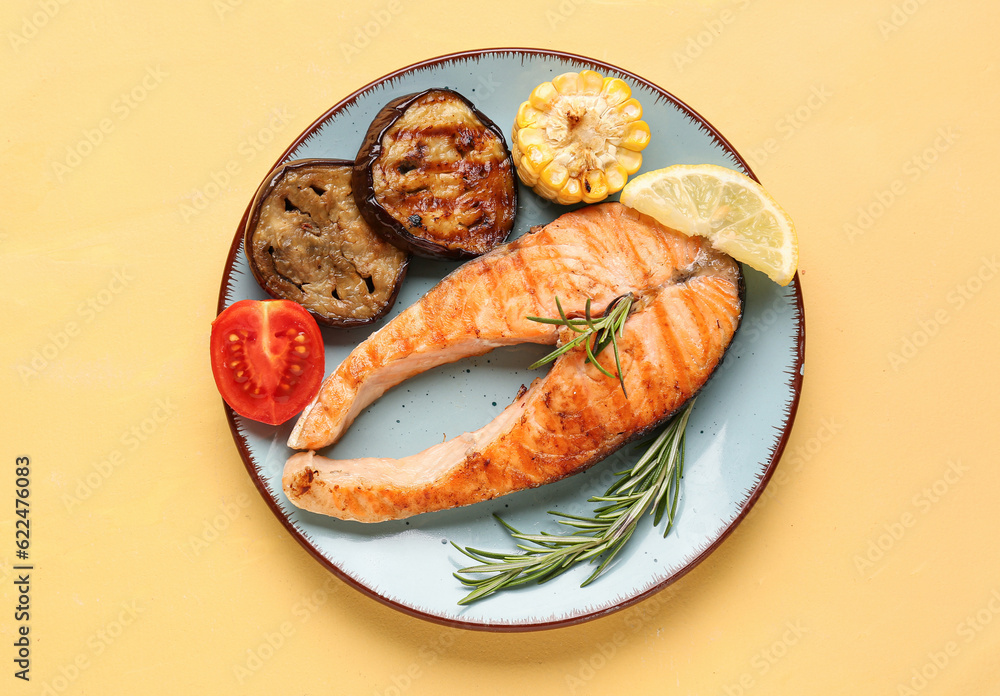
(579,137)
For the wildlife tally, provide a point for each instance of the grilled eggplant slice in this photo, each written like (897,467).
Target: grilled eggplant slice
(435,177)
(307,242)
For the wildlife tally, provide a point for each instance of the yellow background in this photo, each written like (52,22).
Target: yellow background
(869,567)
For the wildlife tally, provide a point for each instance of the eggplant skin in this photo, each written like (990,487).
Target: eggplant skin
(434,176)
(306,241)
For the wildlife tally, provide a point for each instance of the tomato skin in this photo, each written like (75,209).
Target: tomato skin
(267,358)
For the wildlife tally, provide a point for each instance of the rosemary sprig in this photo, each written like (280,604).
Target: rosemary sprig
(594,334)
(651,485)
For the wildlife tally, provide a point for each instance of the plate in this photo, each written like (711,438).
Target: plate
(735,436)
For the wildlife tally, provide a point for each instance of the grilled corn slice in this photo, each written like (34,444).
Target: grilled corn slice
(579,137)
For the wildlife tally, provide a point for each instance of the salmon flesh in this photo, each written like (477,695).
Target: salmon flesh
(688,305)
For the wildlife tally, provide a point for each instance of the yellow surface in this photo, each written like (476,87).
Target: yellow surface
(871,565)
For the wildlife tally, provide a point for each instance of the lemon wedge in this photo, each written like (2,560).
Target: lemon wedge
(727,207)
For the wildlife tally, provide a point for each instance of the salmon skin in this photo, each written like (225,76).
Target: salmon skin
(688,305)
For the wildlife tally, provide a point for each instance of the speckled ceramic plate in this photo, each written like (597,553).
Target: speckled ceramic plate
(735,436)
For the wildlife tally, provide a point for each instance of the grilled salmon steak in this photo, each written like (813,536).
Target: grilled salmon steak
(688,305)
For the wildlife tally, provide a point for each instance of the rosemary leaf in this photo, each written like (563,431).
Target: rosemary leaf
(598,334)
(652,486)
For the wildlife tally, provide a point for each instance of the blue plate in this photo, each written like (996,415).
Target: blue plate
(736,434)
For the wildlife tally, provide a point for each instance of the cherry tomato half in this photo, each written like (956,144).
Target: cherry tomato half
(267,358)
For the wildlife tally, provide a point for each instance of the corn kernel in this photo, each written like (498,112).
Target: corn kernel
(631,109)
(543,96)
(527,115)
(527,178)
(616,176)
(595,186)
(554,175)
(527,137)
(615,90)
(591,82)
(536,157)
(636,136)
(571,192)
(630,160)
(567,83)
